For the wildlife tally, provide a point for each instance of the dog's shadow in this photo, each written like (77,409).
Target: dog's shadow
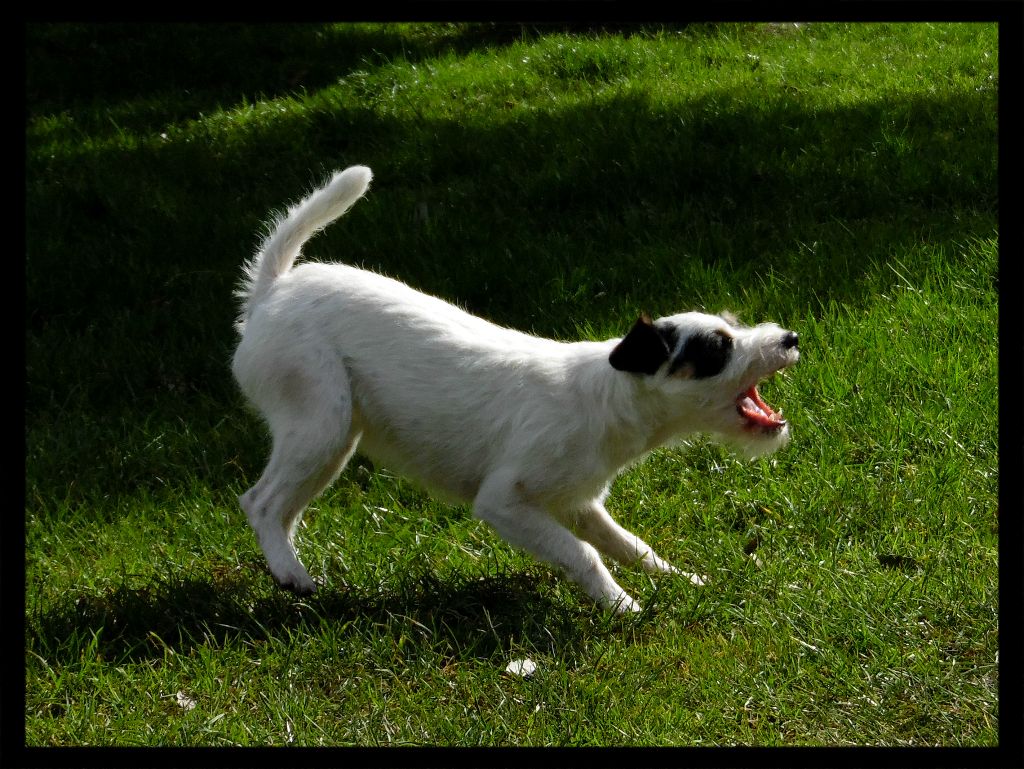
(461,617)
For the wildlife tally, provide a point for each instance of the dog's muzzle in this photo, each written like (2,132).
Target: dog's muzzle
(758,415)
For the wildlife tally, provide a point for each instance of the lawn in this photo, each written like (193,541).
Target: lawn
(839,179)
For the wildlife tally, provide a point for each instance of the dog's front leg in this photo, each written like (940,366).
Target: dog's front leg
(500,503)
(597,527)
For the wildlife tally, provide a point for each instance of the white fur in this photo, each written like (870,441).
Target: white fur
(529,430)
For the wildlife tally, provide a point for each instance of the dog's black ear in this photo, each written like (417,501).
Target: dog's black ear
(642,351)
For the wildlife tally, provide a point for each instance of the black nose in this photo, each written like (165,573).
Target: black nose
(790,340)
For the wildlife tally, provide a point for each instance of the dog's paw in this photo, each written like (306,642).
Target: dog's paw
(623,604)
(700,580)
(299,587)
(295,580)
(652,564)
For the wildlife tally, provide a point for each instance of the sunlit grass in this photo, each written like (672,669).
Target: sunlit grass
(838,179)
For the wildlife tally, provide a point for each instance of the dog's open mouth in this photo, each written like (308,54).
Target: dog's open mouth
(757,414)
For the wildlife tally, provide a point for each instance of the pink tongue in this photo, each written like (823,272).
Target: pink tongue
(756,410)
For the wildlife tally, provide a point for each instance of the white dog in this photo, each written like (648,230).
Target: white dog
(530,431)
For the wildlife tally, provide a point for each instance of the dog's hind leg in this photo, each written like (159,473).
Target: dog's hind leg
(501,504)
(313,439)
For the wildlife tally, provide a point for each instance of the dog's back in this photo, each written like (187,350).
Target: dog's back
(406,357)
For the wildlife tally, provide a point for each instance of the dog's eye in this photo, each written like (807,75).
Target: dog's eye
(703,355)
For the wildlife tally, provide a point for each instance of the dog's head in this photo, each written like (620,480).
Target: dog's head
(708,368)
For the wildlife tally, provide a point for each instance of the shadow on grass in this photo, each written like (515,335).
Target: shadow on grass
(620,199)
(454,616)
(583,214)
(204,67)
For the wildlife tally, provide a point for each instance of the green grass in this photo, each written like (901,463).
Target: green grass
(838,179)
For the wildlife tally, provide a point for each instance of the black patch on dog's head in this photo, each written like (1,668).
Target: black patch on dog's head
(705,354)
(644,349)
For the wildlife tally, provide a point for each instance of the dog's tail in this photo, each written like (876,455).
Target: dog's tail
(281,248)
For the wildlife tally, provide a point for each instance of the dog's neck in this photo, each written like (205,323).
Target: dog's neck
(636,420)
